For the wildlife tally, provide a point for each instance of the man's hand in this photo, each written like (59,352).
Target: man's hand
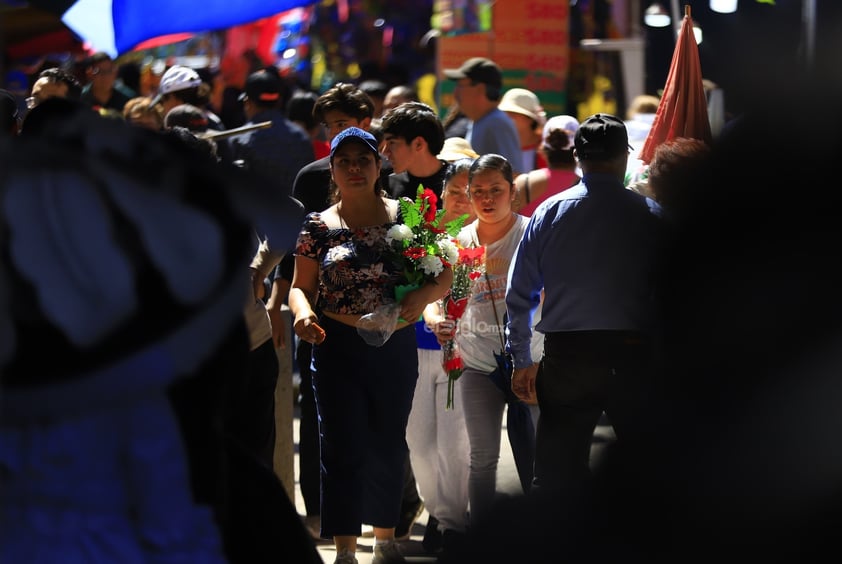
(523,384)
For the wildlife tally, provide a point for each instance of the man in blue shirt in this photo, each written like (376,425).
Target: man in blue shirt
(479,84)
(592,251)
(277,153)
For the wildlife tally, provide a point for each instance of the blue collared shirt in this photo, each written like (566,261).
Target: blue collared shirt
(495,132)
(593,249)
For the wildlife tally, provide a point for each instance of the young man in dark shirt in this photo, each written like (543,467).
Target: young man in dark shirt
(412,137)
(339,108)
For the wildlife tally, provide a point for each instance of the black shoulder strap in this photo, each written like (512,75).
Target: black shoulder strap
(496,316)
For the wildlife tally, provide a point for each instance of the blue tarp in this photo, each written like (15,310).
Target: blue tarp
(117,26)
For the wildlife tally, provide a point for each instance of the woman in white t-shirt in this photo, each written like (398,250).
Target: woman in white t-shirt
(480,333)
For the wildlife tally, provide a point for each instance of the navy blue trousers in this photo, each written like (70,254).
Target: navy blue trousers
(363,397)
(586,373)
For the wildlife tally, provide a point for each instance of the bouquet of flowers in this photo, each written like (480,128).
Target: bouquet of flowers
(422,249)
(421,246)
(469,266)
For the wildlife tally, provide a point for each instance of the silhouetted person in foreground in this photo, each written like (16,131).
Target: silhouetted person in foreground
(123,267)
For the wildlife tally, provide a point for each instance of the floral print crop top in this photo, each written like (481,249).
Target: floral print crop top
(355,274)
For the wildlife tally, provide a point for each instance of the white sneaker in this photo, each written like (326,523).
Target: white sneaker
(387,553)
(345,557)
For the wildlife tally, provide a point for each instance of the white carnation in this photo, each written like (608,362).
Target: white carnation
(399,232)
(431,265)
(449,251)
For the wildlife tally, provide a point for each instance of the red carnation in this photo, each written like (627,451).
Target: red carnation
(431,199)
(454,363)
(471,255)
(415,253)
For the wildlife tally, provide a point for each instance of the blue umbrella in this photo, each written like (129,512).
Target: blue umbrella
(117,26)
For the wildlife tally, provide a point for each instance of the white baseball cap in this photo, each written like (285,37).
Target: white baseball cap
(564,123)
(177,78)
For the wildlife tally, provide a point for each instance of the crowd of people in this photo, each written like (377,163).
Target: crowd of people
(158,249)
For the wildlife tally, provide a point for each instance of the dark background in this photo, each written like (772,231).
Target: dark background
(742,51)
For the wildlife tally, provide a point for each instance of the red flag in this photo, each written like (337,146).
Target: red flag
(683,109)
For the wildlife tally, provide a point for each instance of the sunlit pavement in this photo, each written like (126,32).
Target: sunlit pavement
(507,484)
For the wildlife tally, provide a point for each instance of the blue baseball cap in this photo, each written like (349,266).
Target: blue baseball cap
(350,134)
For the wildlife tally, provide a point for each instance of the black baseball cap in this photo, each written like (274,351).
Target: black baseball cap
(478,69)
(263,87)
(187,116)
(601,137)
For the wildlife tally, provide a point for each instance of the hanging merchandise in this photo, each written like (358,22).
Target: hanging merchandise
(290,47)
(456,17)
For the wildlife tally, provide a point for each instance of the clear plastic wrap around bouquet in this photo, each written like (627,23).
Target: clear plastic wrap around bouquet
(376,327)
(420,248)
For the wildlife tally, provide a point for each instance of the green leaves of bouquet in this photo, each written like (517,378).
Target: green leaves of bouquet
(421,245)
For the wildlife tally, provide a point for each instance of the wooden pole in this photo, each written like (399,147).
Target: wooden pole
(213,134)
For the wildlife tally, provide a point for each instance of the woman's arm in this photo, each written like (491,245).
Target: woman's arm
(413,304)
(302,295)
